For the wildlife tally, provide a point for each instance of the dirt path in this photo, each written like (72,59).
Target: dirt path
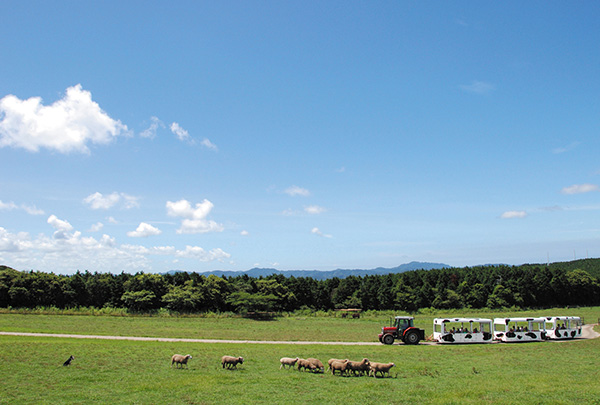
(588,333)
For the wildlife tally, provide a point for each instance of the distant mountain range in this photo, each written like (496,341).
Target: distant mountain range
(324,275)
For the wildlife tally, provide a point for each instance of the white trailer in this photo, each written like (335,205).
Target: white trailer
(462,330)
(563,327)
(513,330)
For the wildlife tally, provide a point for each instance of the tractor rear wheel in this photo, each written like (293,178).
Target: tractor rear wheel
(388,340)
(412,338)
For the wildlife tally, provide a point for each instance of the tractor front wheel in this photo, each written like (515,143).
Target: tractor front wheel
(388,340)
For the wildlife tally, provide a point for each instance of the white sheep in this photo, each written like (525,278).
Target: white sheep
(317,363)
(180,360)
(287,361)
(338,365)
(360,366)
(383,368)
(305,364)
(231,362)
(332,360)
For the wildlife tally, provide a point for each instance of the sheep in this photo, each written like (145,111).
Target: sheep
(288,361)
(231,362)
(360,366)
(69,360)
(332,360)
(383,368)
(317,363)
(338,365)
(179,360)
(305,364)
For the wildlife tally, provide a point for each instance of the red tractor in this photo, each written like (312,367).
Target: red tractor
(403,329)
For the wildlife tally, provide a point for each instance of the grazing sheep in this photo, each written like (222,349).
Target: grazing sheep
(383,368)
(317,363)
(338,365)
(287,361)
(179,360)
(332,360)
(305,364)
(69,360)
(360,366)
(231,362)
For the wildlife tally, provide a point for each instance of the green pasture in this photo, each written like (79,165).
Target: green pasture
(139,372)
(103,371)
(292,327)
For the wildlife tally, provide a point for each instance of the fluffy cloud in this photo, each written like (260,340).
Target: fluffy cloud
(181,133)
(580,189)
(98,201)
(67,125)
(297,191)
(513,214)
(144,230)
(194,218)
(67,251)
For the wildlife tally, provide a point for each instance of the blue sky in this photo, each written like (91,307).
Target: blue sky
(150,136)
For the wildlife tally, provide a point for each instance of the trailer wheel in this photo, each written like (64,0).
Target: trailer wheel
(388,340)
(412,338)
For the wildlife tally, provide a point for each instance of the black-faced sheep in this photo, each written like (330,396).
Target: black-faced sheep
(69,360)
(339,366)
(179,360)
(360,366)
(317,363)
(305,364)
(383,368)
(287,361)
(231,362)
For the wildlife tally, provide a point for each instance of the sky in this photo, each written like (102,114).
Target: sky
(148,136)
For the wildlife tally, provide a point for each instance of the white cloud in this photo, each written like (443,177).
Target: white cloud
(208,144)
(318,232)
(98,201)
(67,125)
(295,191)
(196,252)
(8,206)
(97,227)
(477,87)
(150,132)
(194,217)
(70,251)
(144,230)
(181,133)
(244,233)
(31,210)
(580,189)
(314,209)
(513,214)
(59,224)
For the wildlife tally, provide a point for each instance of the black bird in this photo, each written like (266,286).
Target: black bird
(69,360)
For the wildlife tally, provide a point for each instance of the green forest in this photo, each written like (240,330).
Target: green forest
(575,283)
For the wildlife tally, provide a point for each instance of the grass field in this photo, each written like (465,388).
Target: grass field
(138,372)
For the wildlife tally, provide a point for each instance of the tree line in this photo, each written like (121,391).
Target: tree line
(525,286)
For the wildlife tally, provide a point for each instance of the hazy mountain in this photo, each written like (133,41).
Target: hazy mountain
(323,275)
